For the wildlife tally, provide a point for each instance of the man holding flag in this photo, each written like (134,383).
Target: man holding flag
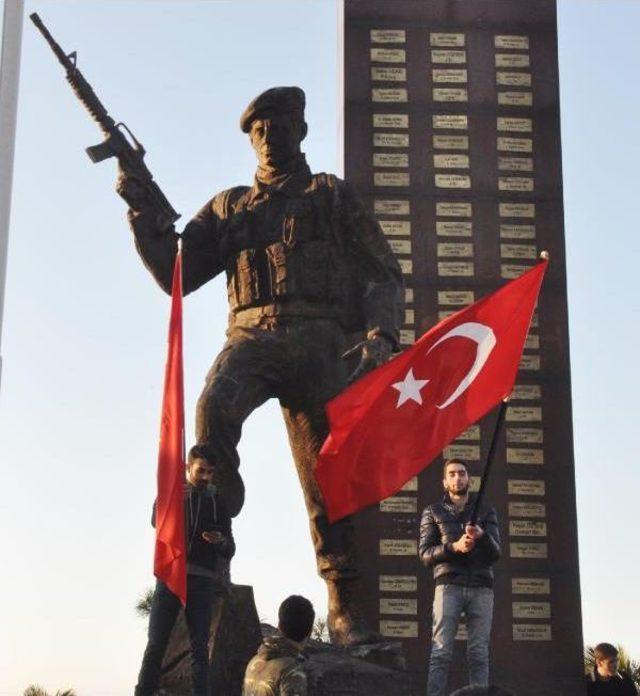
(461,552)
(209,547)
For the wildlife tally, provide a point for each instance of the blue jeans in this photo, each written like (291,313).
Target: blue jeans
(201,595)
(449,602)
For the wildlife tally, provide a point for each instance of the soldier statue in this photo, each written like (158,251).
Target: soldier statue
(307,269)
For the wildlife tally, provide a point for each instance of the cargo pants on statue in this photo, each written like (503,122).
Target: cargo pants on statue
(298,361)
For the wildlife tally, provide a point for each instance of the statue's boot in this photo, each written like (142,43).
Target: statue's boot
(345,620)
(231,487)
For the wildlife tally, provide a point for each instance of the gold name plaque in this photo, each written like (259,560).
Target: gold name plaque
(468,452)
(515,125)
(524,436)
(450,121)
(450,94)
(524,413)
(388,55)
(449,75)
(399,504)
(525,487)
(399,605)
(453,209)
(400,246)
(451,142)
(517,210)
(446,228)
(451,161)
(446,40)
(515,164)
(391,140)
(457,298)
(520,509)
(453,181)
(399,629)
(387,36)
(398,583)
(389,74)
(517,231)
(448,57)
(455,250)
(398,547)
(536,632)
(521,184)
(532,586)
(522,549)
(391,178)
(391,120)
(527,528)
(526,392)
(386,207)
(531,610)
(459,269)
(511,42)
(389,95)
(513,79)
(517,455)
(390,159)
(512,60)
(394,228)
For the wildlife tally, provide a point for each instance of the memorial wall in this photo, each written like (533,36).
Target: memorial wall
(452,136)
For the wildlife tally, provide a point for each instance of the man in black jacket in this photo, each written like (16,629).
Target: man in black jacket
(210,546)
(461,555)
(605,680)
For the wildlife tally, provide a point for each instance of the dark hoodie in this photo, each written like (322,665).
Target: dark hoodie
(276,669)
(204,511)
(618,685)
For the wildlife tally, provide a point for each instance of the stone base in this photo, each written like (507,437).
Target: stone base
(364,670)
(234,638)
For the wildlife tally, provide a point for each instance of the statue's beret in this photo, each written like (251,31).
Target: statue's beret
(281,100)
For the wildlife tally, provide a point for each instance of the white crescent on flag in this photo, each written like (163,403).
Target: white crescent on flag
(485,339)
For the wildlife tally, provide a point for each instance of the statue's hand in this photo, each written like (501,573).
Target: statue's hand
(375,351)
(131,189)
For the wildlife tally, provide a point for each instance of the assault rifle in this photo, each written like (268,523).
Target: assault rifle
(116,144)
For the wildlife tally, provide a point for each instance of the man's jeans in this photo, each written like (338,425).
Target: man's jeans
(448,603)
(201,595)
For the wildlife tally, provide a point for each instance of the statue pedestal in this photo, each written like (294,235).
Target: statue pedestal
(234,638)
(365,670)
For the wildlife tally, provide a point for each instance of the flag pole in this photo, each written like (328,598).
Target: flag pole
(487,467)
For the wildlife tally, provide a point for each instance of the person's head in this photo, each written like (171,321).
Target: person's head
(200,466)
(606,656)
(295,618)
(275,123)
(455,477)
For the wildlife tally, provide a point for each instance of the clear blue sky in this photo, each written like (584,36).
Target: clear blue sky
(85,326)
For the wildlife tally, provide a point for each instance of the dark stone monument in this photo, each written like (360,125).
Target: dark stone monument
(452,135)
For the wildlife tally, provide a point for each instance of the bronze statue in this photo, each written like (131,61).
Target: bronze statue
(306,267)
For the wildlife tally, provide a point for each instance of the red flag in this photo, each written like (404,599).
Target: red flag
(390,424)
(170,562)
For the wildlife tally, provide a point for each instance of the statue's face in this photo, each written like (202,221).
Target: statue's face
(276,139)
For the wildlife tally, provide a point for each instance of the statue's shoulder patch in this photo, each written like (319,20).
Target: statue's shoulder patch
(222,203)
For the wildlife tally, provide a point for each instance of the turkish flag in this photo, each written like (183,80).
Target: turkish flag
(170,561)
(390,424)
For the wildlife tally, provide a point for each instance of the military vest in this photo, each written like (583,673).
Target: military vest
(288,252)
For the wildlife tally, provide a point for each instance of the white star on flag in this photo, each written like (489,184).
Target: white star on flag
(410,389)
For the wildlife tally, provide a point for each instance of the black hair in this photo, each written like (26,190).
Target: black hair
(453,461)
(201,451)
(295,618)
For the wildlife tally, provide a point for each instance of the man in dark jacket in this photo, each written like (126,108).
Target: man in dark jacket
(210,546)
(605,680)
(276,669)
(461,555)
